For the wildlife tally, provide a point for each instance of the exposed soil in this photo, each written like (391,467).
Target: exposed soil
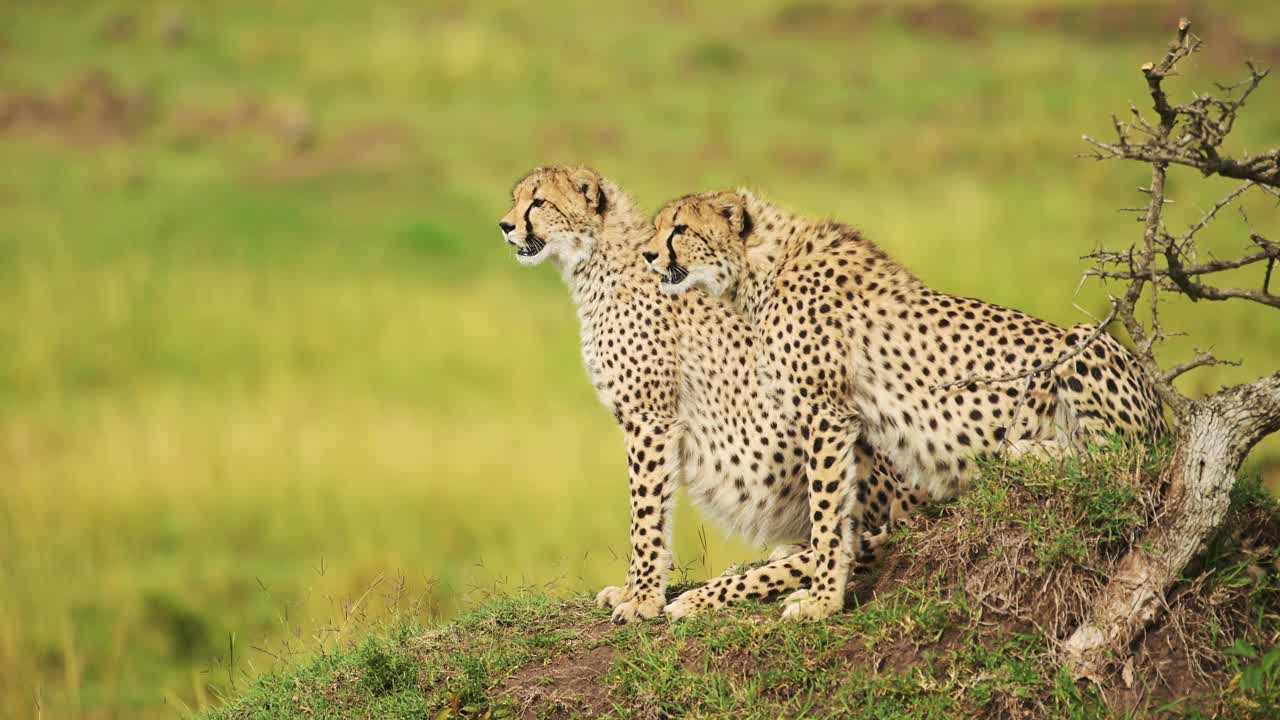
(1151,19)
(947,18)
(97,109)
(247,115)
(365,147)
(967,22)
(958,21)
(89,110)
(566,686)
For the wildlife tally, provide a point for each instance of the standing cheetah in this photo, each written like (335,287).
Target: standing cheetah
(678,375)
(860,348)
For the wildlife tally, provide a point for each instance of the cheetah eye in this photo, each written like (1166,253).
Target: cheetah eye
(679,229)
(538,202)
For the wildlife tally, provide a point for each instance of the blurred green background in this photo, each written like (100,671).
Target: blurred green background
(267,373)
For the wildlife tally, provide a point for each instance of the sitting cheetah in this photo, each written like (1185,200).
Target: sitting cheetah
(860,348)
(678,375)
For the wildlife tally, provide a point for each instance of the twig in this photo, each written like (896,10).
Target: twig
(1182,47)
(1039,369)
(1220,265)
(1202,359)
(1017,410)
(1214,211)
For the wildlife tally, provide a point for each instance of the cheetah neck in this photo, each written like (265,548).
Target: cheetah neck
(593,277)
(754,285)
(783,240)
(764,250)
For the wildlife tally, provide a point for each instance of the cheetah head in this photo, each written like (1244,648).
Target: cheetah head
(557,212)
(700,241)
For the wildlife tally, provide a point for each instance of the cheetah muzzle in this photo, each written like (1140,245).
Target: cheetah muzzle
(676,274)
(532,247)
(671,278)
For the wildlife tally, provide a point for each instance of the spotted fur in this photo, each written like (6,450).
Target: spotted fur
(678,374)
(859,348)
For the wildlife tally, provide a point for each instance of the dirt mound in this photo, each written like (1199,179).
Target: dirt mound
(964,620)
(1032,546)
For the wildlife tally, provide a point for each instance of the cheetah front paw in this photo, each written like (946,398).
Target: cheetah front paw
(805,605)
(637,609)
(612,597)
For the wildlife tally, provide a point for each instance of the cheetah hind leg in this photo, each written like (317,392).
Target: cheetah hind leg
(789,572)
(1103,392)
(757,583)
(786,550)
(873,545)
(1041,449)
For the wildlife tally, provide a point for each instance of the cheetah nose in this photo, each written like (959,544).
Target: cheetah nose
(506,227)
(649,256)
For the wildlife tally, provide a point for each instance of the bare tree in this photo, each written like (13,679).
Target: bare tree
(1214,433)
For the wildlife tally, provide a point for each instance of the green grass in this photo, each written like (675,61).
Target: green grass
(251,361)
(1073,505)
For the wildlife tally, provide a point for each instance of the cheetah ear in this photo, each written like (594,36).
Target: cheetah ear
(590,185)
(734,209)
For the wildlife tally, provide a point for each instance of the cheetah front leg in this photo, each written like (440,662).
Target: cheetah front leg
(836,515)
(651,452)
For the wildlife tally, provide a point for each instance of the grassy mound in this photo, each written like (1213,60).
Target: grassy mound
(961,622)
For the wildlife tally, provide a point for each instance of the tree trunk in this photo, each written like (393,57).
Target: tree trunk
(1214,436)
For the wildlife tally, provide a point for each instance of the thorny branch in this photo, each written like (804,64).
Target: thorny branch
(1214,433)
(1202,124)
(1187,134)
(1180,277)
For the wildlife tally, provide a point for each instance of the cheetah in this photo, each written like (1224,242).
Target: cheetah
(863,350)
(677,373)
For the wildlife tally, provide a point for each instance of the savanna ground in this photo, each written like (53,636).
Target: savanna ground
(962,622)
(267,375)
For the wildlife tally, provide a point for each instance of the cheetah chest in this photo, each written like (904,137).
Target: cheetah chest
(740,461)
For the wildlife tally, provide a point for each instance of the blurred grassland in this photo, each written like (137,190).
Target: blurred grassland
(260,345)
